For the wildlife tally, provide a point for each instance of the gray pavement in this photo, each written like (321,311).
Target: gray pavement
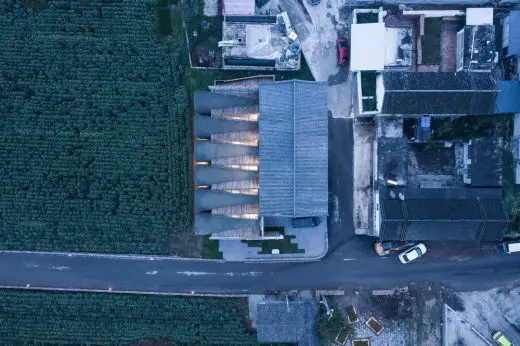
(141,274)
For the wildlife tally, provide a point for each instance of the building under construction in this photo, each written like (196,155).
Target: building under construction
(259,43)
(261,156)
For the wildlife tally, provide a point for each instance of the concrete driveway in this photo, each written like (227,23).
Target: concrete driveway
(318,28)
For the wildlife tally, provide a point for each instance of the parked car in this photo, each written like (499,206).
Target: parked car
(313,2)
(304,222)
(342,51)
(412,253)
(501,340)
(510,247)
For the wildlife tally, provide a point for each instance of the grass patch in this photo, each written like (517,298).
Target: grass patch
(284,245)
(204,27)
(210,248)
(511,192)
(431,41)
(370,17)
(200,79)
(204,34)
(368,83)
(163,21)
(368,88)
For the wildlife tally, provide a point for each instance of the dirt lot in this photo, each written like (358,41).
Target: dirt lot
(480,314)
(411,315)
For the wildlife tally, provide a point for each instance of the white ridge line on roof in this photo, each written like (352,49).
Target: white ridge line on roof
(294,148)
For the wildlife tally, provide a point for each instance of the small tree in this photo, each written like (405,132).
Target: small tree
(329,328)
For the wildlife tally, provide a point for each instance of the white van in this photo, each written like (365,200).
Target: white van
(511,247)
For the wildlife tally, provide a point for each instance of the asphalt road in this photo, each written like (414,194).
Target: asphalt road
(164,275)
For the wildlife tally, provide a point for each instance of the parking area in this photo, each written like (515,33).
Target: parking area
(318,28)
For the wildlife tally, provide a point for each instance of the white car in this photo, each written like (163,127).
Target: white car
(412,253)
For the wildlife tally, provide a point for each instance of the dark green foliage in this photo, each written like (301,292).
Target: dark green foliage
(431,41)
(117,319)
(95,135)
(284,245)
(368,88)
(210,248)
(329,328)
(368,17)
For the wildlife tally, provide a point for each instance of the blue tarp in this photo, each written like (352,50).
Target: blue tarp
(508,99)
(514,33)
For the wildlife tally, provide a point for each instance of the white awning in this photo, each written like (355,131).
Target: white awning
(239,7)
(479,16)
(367,47)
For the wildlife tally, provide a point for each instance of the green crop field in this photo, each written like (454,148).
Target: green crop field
(117,319)
(95,133)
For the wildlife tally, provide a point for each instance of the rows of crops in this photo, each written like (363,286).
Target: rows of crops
(103,319)
(94,134)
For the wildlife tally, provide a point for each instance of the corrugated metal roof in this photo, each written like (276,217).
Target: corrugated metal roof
(293,127)
(439,93)
(514,33)
(293,321)
(486,161)
(443,214)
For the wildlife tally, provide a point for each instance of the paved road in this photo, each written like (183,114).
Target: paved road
(144,274)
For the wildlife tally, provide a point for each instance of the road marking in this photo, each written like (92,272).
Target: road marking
(188,273)
(30,265)
(243,274)
(154,272)
(350,259)
(60,268)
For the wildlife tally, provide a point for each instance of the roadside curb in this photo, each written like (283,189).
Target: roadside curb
(113,256)
(301,259)
(136,257)
(96,290)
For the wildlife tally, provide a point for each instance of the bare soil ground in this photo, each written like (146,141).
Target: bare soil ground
(200,56)
(185,244)
(410,315)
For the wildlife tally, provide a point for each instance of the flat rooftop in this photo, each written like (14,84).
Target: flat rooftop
(261,42)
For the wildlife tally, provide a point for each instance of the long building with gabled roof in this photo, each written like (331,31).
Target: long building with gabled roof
(260,151)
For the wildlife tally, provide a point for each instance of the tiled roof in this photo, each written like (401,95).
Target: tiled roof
(293,126)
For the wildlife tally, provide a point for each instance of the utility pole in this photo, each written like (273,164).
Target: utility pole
(330,312)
